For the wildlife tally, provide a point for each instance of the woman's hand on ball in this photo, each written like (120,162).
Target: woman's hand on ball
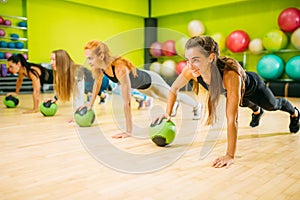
(158,120)
(12,94)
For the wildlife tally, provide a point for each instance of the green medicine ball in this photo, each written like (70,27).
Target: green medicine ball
(162,134)
(11,101)
(48,108)
(84,117)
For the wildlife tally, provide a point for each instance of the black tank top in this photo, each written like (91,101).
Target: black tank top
(46,75)
(141,81)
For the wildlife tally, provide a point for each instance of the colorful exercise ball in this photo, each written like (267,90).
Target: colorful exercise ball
(220,39)
(1,20)
(7,55)
(155,67)
(2,56)
(11,101)
(14,36)
(292,68)
(180,46)
(22,24)
(256,46)
(2,33)
(295,38)
(275,40)
(270,67)
(179,66)
(168,68)
(3,44)
(238,41)
(156,49)
(162,134)
(289,19)
(11,45)
(48,108)
(7,22)
(84,117)
(168,48)
(196,28)
(19,45)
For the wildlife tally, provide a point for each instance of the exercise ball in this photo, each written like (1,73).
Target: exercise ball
(295,38)
(238,41)
(1,20)
(168,68)
(162,134)
(155,67)
(11,101)
(179,66)
(275,40)
(292,68)
(7,22)
(256,46)
(7,55)
(14,36)
(220,39)
(196,28)
(2,56)
(48,108)
(156,49)
(168,48)
(25,56)
(84,117)
(22,24)
(3,44)
(270,67)
(11,45)
(180,46)
(19,45)
(289,19)
(2,33)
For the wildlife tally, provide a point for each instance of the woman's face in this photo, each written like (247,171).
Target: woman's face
(197,61)
(14,68)
(53,61)
(92,59)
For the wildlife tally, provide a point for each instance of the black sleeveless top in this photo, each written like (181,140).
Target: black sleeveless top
(141,81)
(46,75)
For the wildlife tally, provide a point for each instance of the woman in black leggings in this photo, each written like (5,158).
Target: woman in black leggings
(225,75)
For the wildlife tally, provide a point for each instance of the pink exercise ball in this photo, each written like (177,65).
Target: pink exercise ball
(1,20)
(256,46)
(295,38)
(179,66)
(238,41)
(7,22)
(7,55)
(196,28)
(2,33)
(168,48)
(289,19)
(156,49)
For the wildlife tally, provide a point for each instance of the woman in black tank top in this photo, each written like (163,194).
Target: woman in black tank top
(225,75)
(36,73)
(122,71)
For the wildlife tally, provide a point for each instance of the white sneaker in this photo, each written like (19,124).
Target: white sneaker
(175,107)
(197,110)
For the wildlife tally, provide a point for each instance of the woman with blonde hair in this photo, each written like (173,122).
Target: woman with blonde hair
(122,71)
(224,75)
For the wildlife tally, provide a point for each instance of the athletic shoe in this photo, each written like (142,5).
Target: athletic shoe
(255,118)
(102,100)
(197,110)
(141,103)
(175,107)
(294,123)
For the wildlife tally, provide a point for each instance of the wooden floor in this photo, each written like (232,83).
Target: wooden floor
(49,158)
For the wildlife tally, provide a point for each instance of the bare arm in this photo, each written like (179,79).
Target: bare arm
(96,88)
(232,83)
(36,84)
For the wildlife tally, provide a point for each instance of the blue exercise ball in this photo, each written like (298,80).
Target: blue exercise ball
(270,67)
(292,68)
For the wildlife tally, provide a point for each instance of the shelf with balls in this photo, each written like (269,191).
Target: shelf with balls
(11,28)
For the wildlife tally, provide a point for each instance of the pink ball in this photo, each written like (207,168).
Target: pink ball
(168,48)
(180,65)
(7,22)
(25,56)
(1,20)
(7,55)
(2,33)
(238,41)
(156,49)
(289,19)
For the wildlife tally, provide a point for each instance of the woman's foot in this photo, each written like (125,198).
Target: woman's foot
(294,122)
(121,135)
(255,118)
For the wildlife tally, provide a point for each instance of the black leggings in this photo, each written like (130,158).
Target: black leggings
(262,96)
